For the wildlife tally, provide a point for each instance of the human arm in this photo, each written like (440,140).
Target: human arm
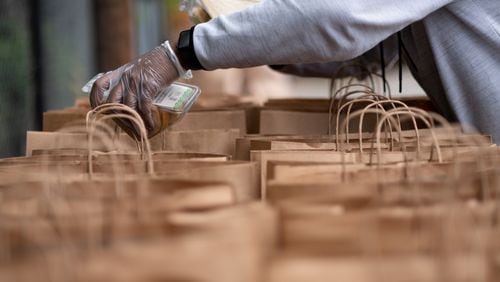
(271,33)
(359,67)
(277,32)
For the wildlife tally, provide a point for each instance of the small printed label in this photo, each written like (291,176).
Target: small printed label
(174,98)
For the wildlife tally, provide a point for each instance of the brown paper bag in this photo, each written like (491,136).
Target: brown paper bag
(368,157)
(232,244)
(292,122)
(207,119)
(243,147)
(298,142)
(61,140)
(226,119)
(298,104)
(310,172)
(368,140)
(217,141)
(59,119)
(82,154)
(298,268)
(431,181)
(319,156)
(263,157)
(242,176)
(302,142)
(225,245)
(87,210)
(213,141)
(337,230)
(323,105)
(306,116)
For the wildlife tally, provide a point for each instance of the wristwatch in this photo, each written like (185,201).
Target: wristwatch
(185,51)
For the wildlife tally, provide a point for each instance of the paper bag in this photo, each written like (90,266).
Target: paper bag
(60,140)
(291,267)
(213,141)
(337,230)
(226,119)
(89,211)
(242,176)
(59,119)
(292,122)
(224,245)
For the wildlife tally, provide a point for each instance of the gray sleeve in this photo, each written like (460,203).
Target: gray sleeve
(357,67)
(276,32)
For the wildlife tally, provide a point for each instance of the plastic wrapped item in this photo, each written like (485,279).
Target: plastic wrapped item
(174,102)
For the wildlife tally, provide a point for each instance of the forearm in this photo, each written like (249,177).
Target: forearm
(358,67)
(278,32)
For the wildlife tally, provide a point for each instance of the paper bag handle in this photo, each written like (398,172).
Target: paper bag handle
(337,122)
(133,117)
(393,103)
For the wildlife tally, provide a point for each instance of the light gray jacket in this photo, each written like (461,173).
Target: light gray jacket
(454,44)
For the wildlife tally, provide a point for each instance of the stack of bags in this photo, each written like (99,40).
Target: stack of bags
(89,203)
(366,189)
(381,199)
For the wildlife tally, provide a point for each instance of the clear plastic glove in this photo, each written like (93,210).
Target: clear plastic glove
(136,85)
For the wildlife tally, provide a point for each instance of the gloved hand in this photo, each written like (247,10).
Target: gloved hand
(136,85)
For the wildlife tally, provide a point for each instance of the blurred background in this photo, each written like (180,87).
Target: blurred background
(50,48)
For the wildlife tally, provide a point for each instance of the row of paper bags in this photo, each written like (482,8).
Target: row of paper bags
(412,208)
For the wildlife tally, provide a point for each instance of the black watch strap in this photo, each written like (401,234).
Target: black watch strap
(277,67)
(185,50)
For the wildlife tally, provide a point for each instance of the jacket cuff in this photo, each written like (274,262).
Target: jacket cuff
(186,53)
